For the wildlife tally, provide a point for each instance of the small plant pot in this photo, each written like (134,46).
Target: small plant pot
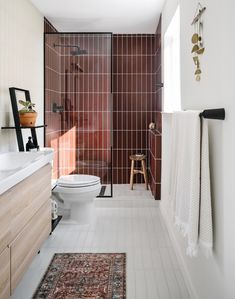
(28,119)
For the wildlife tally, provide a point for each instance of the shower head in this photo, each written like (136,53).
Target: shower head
(76,52)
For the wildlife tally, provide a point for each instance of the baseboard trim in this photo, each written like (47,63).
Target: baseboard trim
(184,268)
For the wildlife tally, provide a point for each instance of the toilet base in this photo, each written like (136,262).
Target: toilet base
(77,204)
(77,213)
(82,213)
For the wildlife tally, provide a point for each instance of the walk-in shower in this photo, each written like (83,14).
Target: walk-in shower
(78,86)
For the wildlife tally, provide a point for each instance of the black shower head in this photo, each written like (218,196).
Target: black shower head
(76,52)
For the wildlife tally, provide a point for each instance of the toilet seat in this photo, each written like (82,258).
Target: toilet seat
(78,181)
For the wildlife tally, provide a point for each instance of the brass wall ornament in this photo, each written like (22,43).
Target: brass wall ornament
(197,39)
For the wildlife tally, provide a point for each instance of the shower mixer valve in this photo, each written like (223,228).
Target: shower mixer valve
(57,109)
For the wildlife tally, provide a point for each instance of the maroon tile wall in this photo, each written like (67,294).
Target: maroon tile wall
(81,134)
(158,71)
(133,97)
(155,135)
(155,163)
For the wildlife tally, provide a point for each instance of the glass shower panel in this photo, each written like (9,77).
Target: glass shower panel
(78,99)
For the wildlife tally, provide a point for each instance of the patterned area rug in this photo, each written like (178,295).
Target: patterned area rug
(84,276)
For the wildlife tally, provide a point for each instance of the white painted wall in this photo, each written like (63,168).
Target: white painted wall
(21,62)
(214,277)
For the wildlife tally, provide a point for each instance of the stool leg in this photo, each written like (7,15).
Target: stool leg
(132,174)
(145,173)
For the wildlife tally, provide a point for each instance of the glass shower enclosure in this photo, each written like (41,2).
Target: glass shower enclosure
(78,104)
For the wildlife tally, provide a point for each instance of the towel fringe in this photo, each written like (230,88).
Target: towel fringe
(192,250)
(183,227)
(207,248)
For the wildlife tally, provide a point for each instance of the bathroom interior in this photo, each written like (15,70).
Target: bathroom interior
(122,184)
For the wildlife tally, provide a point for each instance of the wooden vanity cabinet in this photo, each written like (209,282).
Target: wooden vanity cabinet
(28,243)
(25,223)
(5,274)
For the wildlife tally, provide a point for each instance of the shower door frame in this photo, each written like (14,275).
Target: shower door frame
(111,96)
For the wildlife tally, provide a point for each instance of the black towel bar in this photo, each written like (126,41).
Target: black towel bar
(213,113)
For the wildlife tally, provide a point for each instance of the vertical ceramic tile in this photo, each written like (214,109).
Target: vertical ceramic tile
(133,88)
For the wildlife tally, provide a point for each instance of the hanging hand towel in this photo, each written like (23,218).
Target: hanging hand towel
(190,180)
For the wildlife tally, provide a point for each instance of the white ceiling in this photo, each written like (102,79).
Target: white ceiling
(117,16)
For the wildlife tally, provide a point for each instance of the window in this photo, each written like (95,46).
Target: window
(172,90)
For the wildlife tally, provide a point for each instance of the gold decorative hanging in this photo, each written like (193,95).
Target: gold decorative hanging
(197,39)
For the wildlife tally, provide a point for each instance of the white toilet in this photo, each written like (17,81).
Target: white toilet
(78,192)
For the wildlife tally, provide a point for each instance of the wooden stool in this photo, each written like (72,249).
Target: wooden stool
(143,170)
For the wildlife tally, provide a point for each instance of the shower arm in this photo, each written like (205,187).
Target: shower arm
(76,53)
(66,46)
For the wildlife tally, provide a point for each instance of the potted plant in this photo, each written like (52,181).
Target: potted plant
(27,114)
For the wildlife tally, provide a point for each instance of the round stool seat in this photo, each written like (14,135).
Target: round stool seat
(137,157)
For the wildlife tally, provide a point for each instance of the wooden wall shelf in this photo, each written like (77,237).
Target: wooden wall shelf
(35,127)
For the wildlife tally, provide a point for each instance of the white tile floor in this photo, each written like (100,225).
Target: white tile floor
(131,223)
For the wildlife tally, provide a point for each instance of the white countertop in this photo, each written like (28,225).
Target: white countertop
(16,166)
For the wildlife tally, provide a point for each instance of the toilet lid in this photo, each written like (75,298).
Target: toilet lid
(78,180)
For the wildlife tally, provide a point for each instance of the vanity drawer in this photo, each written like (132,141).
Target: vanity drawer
(27,197)
(5,222)
(5,274)
(28,243)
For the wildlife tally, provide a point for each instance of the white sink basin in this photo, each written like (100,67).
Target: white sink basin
(16,166)
(12,161)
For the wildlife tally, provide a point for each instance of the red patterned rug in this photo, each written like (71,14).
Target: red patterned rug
(84,276)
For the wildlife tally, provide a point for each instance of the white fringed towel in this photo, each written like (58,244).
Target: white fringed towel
(190,194)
